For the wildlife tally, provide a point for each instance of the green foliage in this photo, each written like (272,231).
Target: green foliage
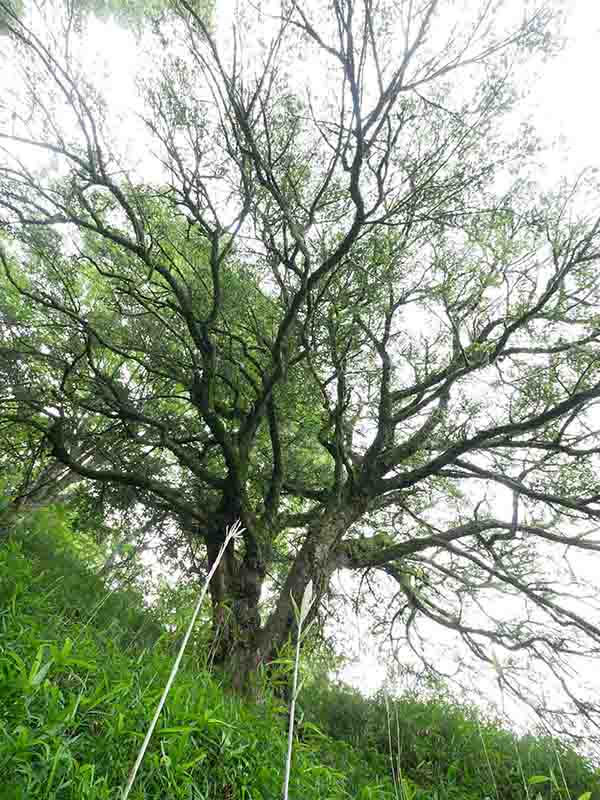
(240,323)
(441,744)
(10,10)
(81,669)
(78,688)
(136,15)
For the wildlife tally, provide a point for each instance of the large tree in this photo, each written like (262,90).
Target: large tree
(325,305)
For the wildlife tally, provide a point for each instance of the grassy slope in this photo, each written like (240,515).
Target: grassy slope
(80,675)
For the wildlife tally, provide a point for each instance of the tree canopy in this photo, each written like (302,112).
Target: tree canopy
(333,304)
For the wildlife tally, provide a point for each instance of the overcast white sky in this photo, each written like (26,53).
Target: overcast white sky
(564,101)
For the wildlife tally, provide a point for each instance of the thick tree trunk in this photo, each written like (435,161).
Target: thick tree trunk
(241,643)
(235,594)
(235,591)
(313,563)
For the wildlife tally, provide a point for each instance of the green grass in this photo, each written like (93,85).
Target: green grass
(82,669)
(450,747)
(76,699)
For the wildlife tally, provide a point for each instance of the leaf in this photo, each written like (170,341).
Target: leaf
(80,662)
(307,601)
(585,796)
(91,703)
(285,661)
(538,779)
(294,606)
(309,626)
(179,729)
(310,726)
(197,760)
(215,721)
(41,673)
(37,662)
(18,661)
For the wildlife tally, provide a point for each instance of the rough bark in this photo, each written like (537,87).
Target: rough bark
(315,562)
(235,593)
(241,643)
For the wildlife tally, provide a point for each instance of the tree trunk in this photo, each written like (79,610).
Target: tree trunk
(313,563)
(241,644)
(235,591)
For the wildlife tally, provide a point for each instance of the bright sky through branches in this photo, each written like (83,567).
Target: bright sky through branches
(560,101)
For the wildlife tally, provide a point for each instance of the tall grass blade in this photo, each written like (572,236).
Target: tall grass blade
(487,758)
(397,791)
(232,532)
(522,771)
(305,606)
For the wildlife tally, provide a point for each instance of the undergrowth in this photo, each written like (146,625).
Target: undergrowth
(82,668)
